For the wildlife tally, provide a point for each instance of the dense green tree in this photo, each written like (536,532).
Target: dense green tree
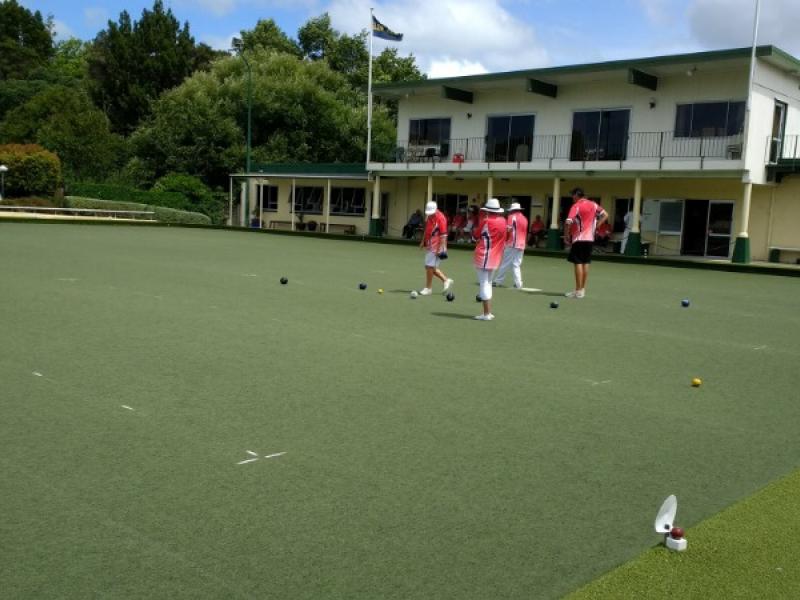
(131,63)
(192,130)
(267,35)
(64,120)
(68,61)
(317,37)
(26,40)
(302,112)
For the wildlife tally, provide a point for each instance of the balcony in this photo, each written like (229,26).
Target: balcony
(783,156)
(656,150)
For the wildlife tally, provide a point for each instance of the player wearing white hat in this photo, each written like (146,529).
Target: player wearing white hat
(489,252)
(517,227)
(435,243)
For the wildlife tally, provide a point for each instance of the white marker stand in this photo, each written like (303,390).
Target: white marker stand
(677,545)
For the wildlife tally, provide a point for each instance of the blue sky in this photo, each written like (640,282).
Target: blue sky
(453,37)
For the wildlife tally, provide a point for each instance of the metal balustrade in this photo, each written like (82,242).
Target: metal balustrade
(657,145)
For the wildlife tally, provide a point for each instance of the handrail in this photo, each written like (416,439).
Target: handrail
(654,145)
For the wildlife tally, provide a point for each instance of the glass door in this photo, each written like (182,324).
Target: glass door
(778,128)
(600,135)
(509,138)
(720,229)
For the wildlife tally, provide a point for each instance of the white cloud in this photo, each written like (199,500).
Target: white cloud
(62,30)
(449,67)
(659,12)
(480,33)
(219,42)
(729,23)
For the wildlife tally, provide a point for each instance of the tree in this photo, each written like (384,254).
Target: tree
(131,63)
(302,112)
(64,120)
(26,40)
(317,37)
(267,35)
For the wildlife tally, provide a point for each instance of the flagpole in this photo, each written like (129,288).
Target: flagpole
(741,248)
(369,89)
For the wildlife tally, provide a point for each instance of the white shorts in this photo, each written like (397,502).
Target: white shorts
(484,283)
(432,259)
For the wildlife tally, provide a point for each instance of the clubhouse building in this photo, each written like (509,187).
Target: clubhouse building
(668,139)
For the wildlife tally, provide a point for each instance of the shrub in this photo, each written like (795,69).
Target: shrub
(120,193)
(162,214)
(32,170)
(200,197)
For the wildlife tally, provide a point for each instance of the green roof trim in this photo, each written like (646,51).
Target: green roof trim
(338,169)
(640,63)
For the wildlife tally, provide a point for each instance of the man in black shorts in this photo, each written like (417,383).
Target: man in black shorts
(582,221)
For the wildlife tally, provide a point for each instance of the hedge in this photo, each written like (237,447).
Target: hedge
(162,213)
(32,170)
(120,193)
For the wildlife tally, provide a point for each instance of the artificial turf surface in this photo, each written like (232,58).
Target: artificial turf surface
(427,455)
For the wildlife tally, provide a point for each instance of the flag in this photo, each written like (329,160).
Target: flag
(382,31)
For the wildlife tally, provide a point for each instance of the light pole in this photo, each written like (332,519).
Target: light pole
(238,47)
(3,170)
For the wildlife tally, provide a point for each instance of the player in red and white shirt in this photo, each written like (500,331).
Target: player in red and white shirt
(517,226)
(491,236)
(435,243)
(579,228)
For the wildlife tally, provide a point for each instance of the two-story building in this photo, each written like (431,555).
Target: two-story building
(668,138)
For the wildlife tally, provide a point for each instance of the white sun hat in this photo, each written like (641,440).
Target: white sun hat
(430,208)
(492,205)
(514,206)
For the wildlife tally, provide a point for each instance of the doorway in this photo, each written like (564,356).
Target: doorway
(707,228)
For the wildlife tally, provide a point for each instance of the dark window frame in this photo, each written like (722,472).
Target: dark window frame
(345,201)
(686,126)
(270,198)
(305,200)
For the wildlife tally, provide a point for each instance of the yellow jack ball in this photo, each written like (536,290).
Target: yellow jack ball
(380,290)
(697,382)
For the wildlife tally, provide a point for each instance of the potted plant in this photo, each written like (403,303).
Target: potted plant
(311,226)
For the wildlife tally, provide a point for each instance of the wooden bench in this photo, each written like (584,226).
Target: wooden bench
(347,228)
(280,225)
(775,252)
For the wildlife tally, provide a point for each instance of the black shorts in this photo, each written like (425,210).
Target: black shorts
(580,253)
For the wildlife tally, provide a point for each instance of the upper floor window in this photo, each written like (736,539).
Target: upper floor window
(308,200)
(509,138)
(709,119)
(434,133)
(348,201)
(600,135)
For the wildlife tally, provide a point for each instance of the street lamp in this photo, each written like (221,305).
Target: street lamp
(238,47)
(3,170)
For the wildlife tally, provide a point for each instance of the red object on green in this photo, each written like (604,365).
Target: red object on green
(676,533)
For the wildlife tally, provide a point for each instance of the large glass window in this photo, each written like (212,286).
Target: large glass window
(709,119)
(308,200)
(433,133)
(600,135)
(348,201)
(509,138)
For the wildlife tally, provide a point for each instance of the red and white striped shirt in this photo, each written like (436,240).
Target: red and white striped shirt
(491,242)
(517,226)
(582,219)
(435,229)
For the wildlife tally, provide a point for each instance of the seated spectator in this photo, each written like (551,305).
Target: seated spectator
(537,232)
(602,234)
(457,225)
(414,223)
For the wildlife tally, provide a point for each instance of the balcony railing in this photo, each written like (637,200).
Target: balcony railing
(783,150)
(658,145)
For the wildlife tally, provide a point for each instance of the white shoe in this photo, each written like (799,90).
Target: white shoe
(483,317)
(580,293)
(490,317)
(425,292)
(447,285)
(573,294)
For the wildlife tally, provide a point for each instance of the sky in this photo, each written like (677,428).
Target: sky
(465,37)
